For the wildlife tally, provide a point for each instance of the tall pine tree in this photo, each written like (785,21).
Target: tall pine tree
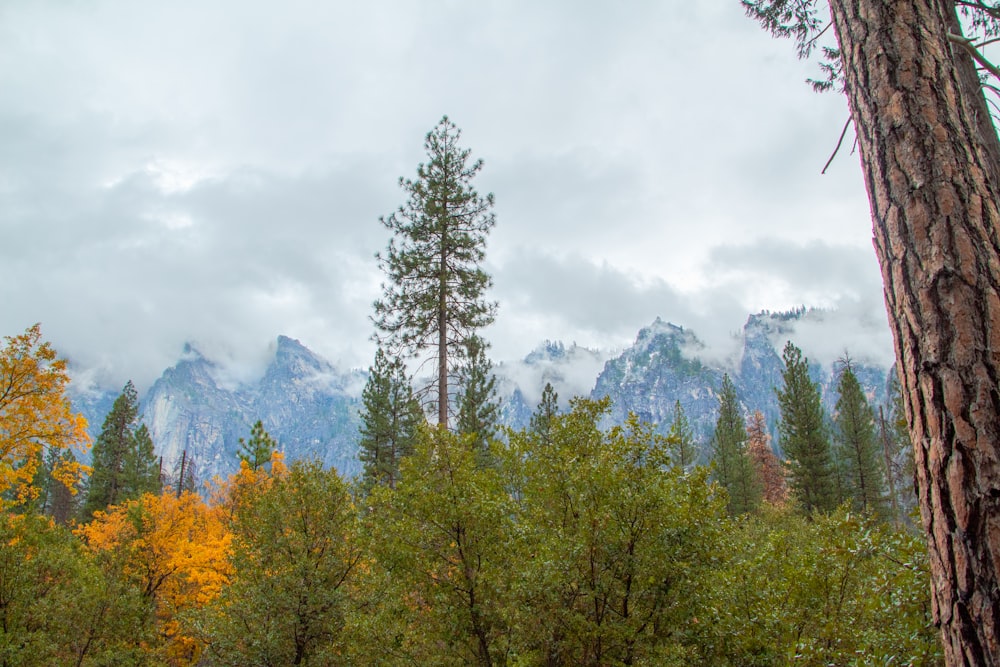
(433,299)
(858,451)
(732,467)
(803,435)
(257,451)
(390,421)
(545,413)
(124,465)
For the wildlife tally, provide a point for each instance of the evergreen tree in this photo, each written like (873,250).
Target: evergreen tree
(803,436)
(547,410)
(733,469)
(124,466)
(434,295)
(858,452)
(478,410)
(257,451)
(767,466)
(390,421)
(680,439)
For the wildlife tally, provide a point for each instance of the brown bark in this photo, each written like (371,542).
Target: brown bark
(931,177)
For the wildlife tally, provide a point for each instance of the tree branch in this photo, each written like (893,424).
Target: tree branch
(839,142)
(967,44)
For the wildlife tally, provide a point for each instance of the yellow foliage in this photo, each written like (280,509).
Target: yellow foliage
(35,414)
(174,549)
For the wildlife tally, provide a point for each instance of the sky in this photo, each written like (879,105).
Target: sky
(213,172)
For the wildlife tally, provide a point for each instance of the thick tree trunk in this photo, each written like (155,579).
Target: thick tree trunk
(931,175)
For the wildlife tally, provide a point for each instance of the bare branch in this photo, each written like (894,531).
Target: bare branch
(839,142)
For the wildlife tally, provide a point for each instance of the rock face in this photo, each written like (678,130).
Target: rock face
(665,365)
(311,408)
(306,405)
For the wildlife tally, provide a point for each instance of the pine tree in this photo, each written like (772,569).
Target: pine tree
(434,295)
(857,448)
(769,470)
(477,404)
(390,421)
(124,466)
(803,435)
(733,470)
(680,439)
(547,410)
(256,451)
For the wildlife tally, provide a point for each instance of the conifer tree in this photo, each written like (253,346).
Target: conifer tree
(124,466)
(733,469)
(478,410)
(547,410)
(680,439)
(767,466)
(803,435)
(256,451)
(857,448)
(390,421)
(433,298)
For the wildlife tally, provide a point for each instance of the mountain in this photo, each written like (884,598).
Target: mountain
(311,408)
(668,363)
(308,406)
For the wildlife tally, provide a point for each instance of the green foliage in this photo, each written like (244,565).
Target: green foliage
(256,452)
(390,420)
(803,435)
(444,543)
(294,554)
(433,298)
(124,466)
(547,410)
(615,542)
(57,606)
(680,439)
(732,467)
(834,590)
(478,410)
(858,452)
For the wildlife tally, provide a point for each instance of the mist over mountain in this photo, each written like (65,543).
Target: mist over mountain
(312,408)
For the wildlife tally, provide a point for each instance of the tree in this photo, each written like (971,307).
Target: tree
(732,467)
(294,552)
(390,421)
(256,452)
(770,472)
(858,451)
(35,414)
(931,160)
(124,466)
(680,439)
(434,295)
(478,410)
(547,410)
(803,435)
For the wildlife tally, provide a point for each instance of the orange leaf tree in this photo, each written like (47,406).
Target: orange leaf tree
(35,414)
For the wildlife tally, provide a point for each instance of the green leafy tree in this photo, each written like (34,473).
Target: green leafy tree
(433,299)
(803,435)
(478,409)
(732,467)
(858,451)
(390,421)
(445,550)
(615,541)
(931,160)
(124,466)
(294,554)
(897,450)
(680,439)
(256,452)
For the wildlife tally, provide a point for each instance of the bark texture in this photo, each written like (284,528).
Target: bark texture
(931,175)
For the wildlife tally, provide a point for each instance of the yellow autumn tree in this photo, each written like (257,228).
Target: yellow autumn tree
(35,414)
(172,549)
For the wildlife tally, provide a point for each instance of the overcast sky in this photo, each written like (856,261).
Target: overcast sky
(214,171)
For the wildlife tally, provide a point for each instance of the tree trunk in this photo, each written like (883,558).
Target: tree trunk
(931,175)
